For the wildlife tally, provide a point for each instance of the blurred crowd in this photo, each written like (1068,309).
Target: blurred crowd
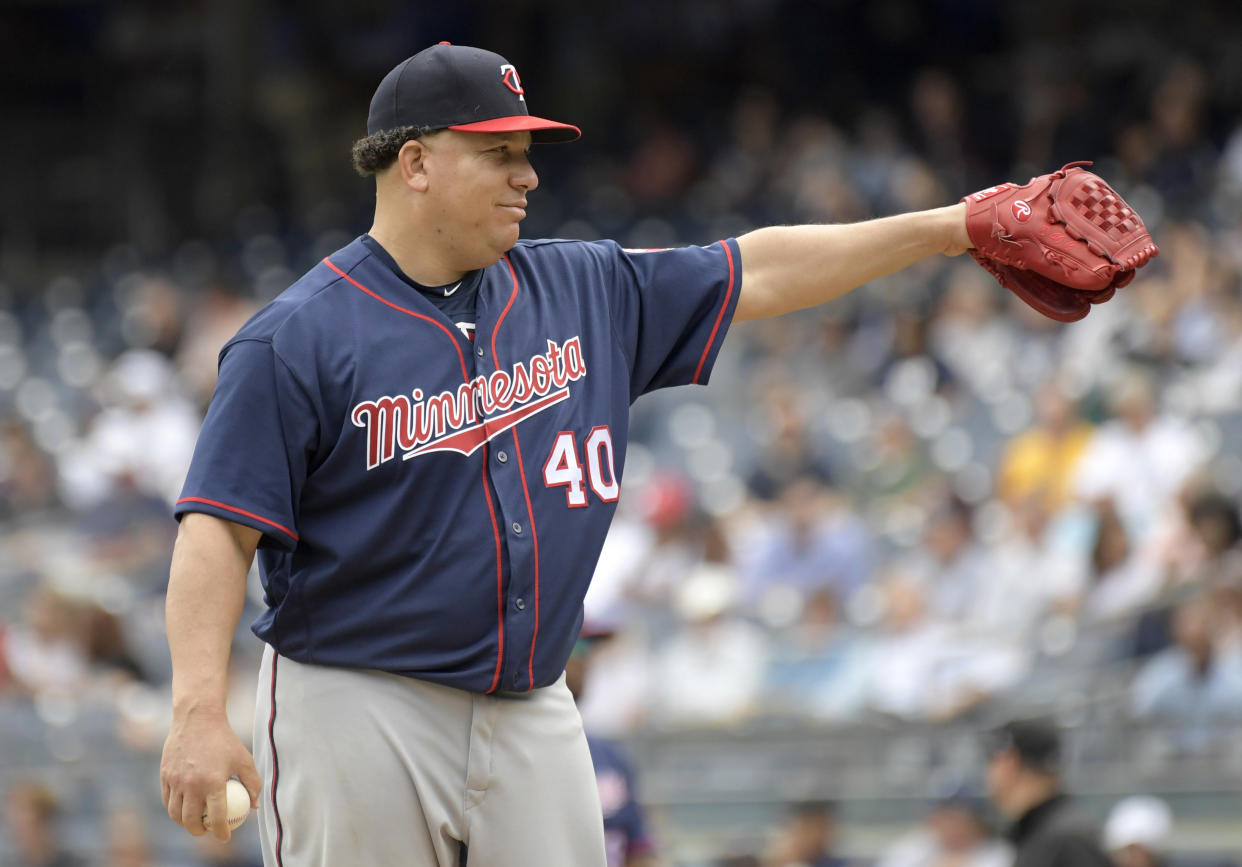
(921,504)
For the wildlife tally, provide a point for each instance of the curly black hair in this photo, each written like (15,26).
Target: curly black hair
(378,151)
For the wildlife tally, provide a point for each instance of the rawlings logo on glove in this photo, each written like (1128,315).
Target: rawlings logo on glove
(1061,243)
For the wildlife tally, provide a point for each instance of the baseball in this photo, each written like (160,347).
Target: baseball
(237,803)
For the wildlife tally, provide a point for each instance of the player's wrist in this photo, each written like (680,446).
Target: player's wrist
(199,706)
(953,224)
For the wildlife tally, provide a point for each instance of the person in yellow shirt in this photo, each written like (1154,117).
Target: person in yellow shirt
(1042,459)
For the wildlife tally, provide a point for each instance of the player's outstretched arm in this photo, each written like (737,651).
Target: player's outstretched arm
(206,592)
(786,268)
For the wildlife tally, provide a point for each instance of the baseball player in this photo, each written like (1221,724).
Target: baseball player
(627,842)
(423,439)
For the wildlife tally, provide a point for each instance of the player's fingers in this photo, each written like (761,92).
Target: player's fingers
(249,776)
(215,817)
(173,805)
(165,791)
(192,809)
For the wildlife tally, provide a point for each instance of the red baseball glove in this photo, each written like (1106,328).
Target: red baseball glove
(1061,243)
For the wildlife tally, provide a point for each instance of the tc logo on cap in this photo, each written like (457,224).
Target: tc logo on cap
(509,75)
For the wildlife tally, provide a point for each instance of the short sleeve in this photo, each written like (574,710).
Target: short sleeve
(671,310)
(254,449)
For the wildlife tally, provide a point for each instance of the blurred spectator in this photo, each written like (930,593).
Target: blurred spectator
(649,548)
(785,457)
(43,652)
(711,672)
(901,660)
(1218,383)
(1123,579)
(808,838)
(1024,780)
(1208,549)
(626,839)
(141,441)
(1043,460)
(615,696)
(955,833)
(951,563)
(1137,830)
(105,644)
(895,467)
(31,811)
(1039,568)
(1140,459)
(921,667)
(616,693)
(1196,685)
(154,311)
(810,174)
(27,475)
(1216,522)
(910,371)
(811,541)
(1183,159)
(219,311)
(815,666)
(968,333)
(662,165)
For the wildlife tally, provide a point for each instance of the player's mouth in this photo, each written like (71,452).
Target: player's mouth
(518,208)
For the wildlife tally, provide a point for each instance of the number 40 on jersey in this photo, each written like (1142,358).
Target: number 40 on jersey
(564,467)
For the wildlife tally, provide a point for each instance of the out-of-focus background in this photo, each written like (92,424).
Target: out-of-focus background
(889,523)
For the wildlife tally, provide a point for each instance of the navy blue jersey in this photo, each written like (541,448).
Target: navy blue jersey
(434,506)
(625,829)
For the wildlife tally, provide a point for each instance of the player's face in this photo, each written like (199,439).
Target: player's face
(476,187)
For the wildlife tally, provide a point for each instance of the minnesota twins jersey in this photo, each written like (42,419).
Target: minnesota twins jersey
(434,505)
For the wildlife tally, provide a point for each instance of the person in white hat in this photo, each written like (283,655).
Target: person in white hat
(1137,831)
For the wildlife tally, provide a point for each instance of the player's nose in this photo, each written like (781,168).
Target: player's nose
(525,178)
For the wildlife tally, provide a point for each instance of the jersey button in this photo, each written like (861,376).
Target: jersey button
(517,528)
(502,456)
(478,350)
(520,604)
(517,678)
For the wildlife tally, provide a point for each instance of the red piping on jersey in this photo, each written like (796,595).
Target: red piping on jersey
(505,312)
(460,357)
(530,668)
(530,512)
(500,594)
(719,316)
(271,742)
(282,529)
(500,608)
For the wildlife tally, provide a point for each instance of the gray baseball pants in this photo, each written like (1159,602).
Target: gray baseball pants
(366,769)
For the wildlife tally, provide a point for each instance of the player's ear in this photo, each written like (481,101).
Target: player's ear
(411,161)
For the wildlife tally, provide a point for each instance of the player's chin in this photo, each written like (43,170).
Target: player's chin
(507,235)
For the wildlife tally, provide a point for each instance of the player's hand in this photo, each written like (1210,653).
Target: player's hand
(201,753)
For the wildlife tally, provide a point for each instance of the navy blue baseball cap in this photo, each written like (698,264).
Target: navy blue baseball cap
(463,88)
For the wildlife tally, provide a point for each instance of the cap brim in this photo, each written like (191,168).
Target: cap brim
(541,129)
